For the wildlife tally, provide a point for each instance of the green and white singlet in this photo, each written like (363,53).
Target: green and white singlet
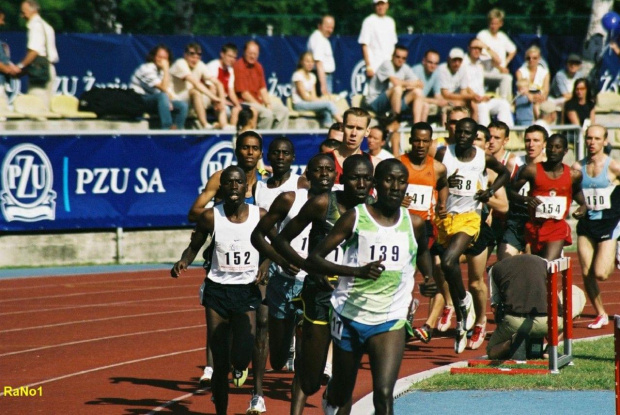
(370,301)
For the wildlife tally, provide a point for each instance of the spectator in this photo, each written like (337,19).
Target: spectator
(247,120)
(377,37)
(321,49)
(548,116)
(524,103)
(427,73)
(41,55)
(189,78)
(453,81)
(499,55)
(537,74)
(251,87)
(328,145)
(222,69)
(6,66)
(394,87)
(581,105)
(519,296)
(335,132)
(304,93)
(376,143)
(152,81)
(485,105)
(564,80)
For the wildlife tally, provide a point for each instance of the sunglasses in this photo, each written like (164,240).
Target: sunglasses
(194,53)
(532,58)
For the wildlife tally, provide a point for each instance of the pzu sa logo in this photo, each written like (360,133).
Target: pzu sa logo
(219,156)
(26,194)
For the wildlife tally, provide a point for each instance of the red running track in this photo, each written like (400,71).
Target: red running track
(133,343)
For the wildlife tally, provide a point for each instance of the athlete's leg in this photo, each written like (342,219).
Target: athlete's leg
(452,270)
(346,365)
(259,356)
(552,250)
(280,335)
(385,352)
(243,327)
(477,286)
(596,266)
(505,250)
(218,332)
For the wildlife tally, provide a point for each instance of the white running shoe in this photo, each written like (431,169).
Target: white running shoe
(257,405)
(327,373)
(460,340)
(327,408)
(599,322)
(470,319)
(445,321)
(205,379)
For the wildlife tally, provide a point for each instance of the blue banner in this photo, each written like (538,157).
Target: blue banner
(62,182)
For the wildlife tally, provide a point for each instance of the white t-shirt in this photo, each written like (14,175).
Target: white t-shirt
(384,155)
(179,71)
(379,35)
(500,44)
(539,77)
(41,38)
(448,80)
(308,84)
(213,69)
(321,50)
(475,75)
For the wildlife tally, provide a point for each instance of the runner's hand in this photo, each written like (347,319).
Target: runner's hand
(177,268)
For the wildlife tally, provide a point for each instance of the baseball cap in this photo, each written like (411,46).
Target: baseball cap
(547,107)
(573,57)
(379,1)
(456,53)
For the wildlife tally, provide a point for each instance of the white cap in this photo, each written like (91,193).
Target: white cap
(379,1)
(456,53)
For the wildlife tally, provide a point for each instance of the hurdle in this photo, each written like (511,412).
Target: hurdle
(617,354)
(558,266)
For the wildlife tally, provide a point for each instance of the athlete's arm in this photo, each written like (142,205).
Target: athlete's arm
(503,177)
(576,178)
(199,236)
(423,259)
(208,193)
(317,264)
(442,189)
(526,175)
(266,229)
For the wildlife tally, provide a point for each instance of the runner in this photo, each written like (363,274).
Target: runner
(427,192)
(553,186)
(321,212)
(371,300)
(460,227)
(286,280)
(598,231)
(229,293)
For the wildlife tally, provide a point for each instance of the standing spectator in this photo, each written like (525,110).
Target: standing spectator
(377,37)
(152,81)
(564,80)
(222,69)
(486,105)
(189,78)
(304,93)
(6,66)
(394,87)
(41,55)
(321,49)
(581,106)
(427,73)
(376,143)
(499,55)
(538,75)
(251,87)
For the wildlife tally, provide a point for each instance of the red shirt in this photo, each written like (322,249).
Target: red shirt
(546,186)
(249,78)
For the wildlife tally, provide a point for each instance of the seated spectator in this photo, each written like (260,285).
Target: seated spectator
(395,88)
(537,74)
(304,93)
(222,70)
(564,80)
(548,116)
(484,105)
(453,80)
(524,103)
(499,55)
(335,132)
(581,105)
(428,74)
(152,81)
(189,83)
(251,88)
(377,137)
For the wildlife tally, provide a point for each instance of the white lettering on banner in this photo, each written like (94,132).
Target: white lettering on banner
(115,180)
(26,194)
(359,81)
(279,90)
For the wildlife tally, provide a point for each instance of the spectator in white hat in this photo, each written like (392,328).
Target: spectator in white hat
(377,37)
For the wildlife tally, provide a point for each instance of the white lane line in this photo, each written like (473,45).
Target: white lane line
(96,369)
(175,400)
(118,290)
(116,336)
(95,320)
(150,300)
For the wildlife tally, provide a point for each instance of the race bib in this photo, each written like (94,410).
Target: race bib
(552,207)
(337,187)
(336,326)
(335,256)
(236,256)
(598,199)
(300,243)
(391,248)
(468,185)
(525,189)
(421,197)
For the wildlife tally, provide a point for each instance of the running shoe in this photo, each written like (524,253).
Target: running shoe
(477,337)
(327,374)
(327,408)
(412,309)
(599,322)
(423,333)
(290,362)
(257,405)
(205,379)
(468,312)
(239,377)
(460,340)
(445,321)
